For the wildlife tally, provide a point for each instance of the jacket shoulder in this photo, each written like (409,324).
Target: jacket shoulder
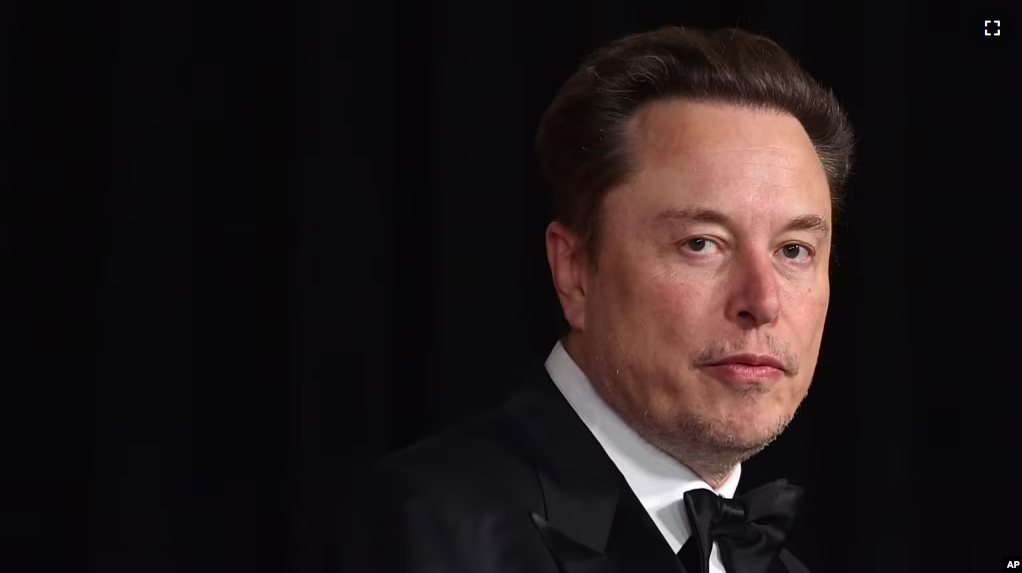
(458,501)
(480,459)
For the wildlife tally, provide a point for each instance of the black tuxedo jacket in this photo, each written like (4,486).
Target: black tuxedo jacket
(525,488)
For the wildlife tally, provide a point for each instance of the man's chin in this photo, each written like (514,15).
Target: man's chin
(754,438)
(711,446)
(742,432)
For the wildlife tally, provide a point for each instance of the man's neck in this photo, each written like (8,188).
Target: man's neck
(715,479)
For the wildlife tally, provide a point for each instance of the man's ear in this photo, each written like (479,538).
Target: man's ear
(566,255)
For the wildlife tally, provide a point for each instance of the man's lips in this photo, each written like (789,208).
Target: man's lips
(746,369)
(750,360)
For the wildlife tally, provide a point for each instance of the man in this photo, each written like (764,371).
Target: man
(695,176)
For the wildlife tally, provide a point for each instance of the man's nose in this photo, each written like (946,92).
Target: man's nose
(755,296)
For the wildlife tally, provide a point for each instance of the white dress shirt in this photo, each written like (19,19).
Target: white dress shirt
(658,480)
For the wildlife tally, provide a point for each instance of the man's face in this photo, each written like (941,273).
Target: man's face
(715,250)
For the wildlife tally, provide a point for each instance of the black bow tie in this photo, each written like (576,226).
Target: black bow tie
(749,529)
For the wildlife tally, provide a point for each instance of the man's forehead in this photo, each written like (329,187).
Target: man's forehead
(726,157)
(664,129)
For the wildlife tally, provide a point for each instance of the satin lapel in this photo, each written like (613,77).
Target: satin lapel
(787,563)
(636,541)
(591,520)
(579,483)
(571,556)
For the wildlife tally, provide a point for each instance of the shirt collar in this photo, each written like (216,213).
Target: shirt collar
(657,479)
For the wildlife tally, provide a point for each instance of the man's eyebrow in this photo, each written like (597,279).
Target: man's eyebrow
(811,223)
(693,214)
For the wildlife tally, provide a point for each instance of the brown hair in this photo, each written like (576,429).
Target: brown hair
(582,139)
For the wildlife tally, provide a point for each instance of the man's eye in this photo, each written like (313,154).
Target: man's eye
(696,244)
(700,244)
(794,250)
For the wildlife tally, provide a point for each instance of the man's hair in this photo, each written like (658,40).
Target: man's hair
(582,142)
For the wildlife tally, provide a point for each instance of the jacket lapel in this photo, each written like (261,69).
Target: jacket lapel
(590,519)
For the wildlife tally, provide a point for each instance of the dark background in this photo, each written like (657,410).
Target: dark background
(250,246)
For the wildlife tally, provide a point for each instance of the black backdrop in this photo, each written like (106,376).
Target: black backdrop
(253,245)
